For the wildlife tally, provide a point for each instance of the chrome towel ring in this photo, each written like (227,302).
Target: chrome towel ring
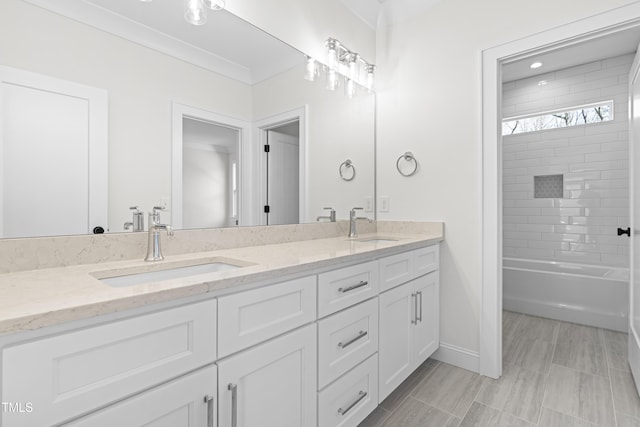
(344,170)
(408,157)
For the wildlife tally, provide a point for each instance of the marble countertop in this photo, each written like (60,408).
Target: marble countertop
(39,298)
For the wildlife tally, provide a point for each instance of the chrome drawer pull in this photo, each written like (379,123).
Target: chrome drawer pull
(419,318)
(414,297)
(234,404)
(209,401)
(352,287)
(361,394)
(361,334)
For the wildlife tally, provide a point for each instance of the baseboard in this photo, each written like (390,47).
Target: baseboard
(457,356)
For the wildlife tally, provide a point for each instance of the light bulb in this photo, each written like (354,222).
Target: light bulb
(215,4)
(332,79)
(370,77)
(354,66)
(311,69)
(195,14)
(332,53)
(350,88)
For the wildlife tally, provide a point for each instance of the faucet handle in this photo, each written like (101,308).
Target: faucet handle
(133,208)
(156,209)
(329,208)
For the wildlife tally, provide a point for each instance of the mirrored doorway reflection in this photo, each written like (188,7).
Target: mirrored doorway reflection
(210,165)
(283,174)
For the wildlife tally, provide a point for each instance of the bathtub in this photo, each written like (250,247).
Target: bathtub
(585,294)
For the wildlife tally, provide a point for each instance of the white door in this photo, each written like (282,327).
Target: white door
(273,384)
(283,176)
(634,182)
(53,147)
(188,401)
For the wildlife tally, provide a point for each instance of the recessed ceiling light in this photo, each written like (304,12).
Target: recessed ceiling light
(536,65)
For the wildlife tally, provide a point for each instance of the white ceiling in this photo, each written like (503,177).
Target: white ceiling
(225,44)
(616,44)
(379,13)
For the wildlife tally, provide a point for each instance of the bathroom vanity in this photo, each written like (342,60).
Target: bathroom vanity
(305,333)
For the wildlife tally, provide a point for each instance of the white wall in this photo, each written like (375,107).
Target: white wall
(593,159)
(429,91)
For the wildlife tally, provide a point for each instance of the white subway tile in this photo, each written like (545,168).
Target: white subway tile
(577,203)
(606,211)
(581,176)
(611,239)
(529,154)
(520,138)
(524,179)
(623,250)
(593,138)
(562,211)
(535,253)
(524,163)
(610,155)
(548,220)
(605,128)
(573,186)
(512,146)
(516,187)
(597,81)
(587,148)
(541,228)
(593,220)
(619,60)
(615,174)
(562,133)
(547,244)
(522,211)
(548,170)
(615,203)
(511,171)
(521,235)
(614,193)
(574,229)
(507,157)
(514,219)
(508,251)
(508,227)
(615,146)
(593,166)
(532,82)
(605,184)
(509,179)
(535,203)
(516,195)
(508,203)
(508,110)
(506,87)
(580,70)
(550,143)
(585,97)
(516,243)
(562,237)
(561,160)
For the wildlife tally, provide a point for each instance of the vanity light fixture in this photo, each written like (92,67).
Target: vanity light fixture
(342,63)
(311,69)
(535,65)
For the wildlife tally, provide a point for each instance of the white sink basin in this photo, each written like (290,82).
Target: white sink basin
(376,240)
(123,279)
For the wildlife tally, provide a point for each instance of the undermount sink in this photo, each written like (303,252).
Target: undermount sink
(122,278)
(376,240)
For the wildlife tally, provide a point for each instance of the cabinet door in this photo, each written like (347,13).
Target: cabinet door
(188,401)
(426,329)
(272,384)
(397,311)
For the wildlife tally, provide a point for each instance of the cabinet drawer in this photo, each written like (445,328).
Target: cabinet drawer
(71,374)
(188,401)
(346,339)
(248,318)
(427,259)
(341,288)
(396,269)
(350,399)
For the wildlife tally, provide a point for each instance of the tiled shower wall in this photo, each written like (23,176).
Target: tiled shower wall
(581,226)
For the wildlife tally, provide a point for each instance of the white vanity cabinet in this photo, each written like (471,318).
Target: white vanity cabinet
(409,329)
(272,384)
(189,401)
(71,374)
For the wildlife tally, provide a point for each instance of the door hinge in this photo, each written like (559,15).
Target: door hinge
(266,208)
(267,148)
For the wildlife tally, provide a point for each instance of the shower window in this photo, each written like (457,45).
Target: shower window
(566,117)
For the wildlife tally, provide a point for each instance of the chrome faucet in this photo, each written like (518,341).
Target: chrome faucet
(137,223)
(331,217)
(353,232)
(154,249)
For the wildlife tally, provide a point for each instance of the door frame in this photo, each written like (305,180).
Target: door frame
(261,127)
(245,165)
(491,158)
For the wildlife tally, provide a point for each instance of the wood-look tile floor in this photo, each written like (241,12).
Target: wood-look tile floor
(555,374)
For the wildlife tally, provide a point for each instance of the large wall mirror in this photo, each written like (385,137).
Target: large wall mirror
(106,105)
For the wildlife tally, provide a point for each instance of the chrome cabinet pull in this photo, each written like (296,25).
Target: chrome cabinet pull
(419,318)
(361,334)
(234,404)
(361,395)
(414,320)
(352,287)
(209,401)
